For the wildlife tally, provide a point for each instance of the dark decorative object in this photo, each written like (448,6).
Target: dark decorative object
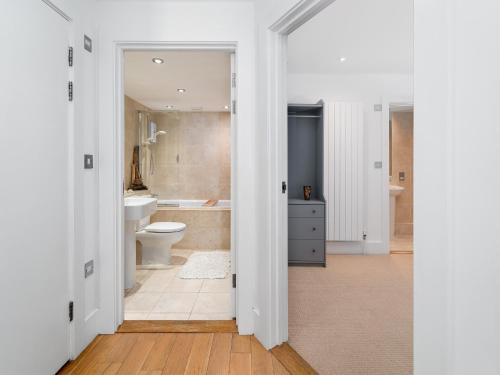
(307,192)
(136,178)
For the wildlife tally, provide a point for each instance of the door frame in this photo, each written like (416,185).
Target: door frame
(276,128)
(119,131)
(386,210)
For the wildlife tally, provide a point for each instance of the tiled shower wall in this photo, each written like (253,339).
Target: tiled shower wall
(402,161)
(192,161)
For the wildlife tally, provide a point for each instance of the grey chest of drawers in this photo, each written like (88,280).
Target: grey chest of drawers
(306,232)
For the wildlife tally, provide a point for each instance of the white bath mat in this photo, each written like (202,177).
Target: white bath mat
(206,265)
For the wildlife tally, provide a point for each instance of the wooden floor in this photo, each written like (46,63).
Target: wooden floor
(176,353)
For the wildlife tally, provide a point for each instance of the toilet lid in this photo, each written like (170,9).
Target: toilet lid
(165,227)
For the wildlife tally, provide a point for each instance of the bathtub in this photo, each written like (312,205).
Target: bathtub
(184,203)
(206,227)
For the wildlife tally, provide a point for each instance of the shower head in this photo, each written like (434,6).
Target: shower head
(160,132)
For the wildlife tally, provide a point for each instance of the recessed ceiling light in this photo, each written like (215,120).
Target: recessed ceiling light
(157,60)
(181,91)
(343,59)
(170,107)
(226,107)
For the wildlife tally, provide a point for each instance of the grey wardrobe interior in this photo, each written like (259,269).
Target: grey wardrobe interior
(306,218)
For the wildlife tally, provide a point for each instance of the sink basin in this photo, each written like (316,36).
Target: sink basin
(395,190)
(137,208)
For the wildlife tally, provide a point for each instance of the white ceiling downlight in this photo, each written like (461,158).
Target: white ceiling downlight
(181,91)
(157,60)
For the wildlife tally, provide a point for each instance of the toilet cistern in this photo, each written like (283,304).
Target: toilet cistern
(136,208)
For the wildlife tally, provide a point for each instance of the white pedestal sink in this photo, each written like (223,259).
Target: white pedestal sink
(136,208)
(394,191)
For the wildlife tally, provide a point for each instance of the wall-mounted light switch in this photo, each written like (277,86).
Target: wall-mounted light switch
(402,176)
(89,268)
(377,107)
(377,165)
(88,161)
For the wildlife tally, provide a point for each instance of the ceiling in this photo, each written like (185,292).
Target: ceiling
(204,74)
(375,37)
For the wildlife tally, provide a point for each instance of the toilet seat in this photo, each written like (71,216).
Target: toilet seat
(165,227)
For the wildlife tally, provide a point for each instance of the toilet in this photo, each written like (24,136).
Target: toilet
(157,239)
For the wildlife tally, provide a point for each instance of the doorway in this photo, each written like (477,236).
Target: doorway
(326,308)
(401,178)
(179,127)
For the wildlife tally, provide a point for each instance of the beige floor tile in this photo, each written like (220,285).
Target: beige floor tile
(167,316)
(136,315)
(158,281)
(184,285)
(141,302)
(212,316)
(176,302)
(216,286)
(213,303)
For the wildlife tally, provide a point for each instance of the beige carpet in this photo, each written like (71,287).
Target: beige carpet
(355,316)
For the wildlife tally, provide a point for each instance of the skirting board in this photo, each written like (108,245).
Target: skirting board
(344,247)
(356,248)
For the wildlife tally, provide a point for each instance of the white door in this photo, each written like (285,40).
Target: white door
(34,172)
(233,180)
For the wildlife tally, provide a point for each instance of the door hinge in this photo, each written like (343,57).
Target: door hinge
(70,91)
(364,235)
(283,187)
(234,107)
(233,80)
(70,56)
(70,308)
(234,280)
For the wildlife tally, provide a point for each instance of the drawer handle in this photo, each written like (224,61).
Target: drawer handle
(314,229)
(314,250)
(314,211)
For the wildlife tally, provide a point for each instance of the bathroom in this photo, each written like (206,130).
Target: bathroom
(177,160)
(401,177)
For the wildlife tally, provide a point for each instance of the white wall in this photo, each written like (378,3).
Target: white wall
(457,185)
(369,89)
(179,22)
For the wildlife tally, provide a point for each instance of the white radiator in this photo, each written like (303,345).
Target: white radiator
(345,172)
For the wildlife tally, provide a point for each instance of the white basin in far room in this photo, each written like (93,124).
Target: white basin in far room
(136,208)
(394,191)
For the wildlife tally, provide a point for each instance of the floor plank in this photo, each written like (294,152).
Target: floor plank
(178,358)
(278,368)
(178,326)
(262,363)
(220,354)
(159,353)
(200,354)
(71,366)
(240,344)
(291,360)
(138,354)
(112,369)
(240,364)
